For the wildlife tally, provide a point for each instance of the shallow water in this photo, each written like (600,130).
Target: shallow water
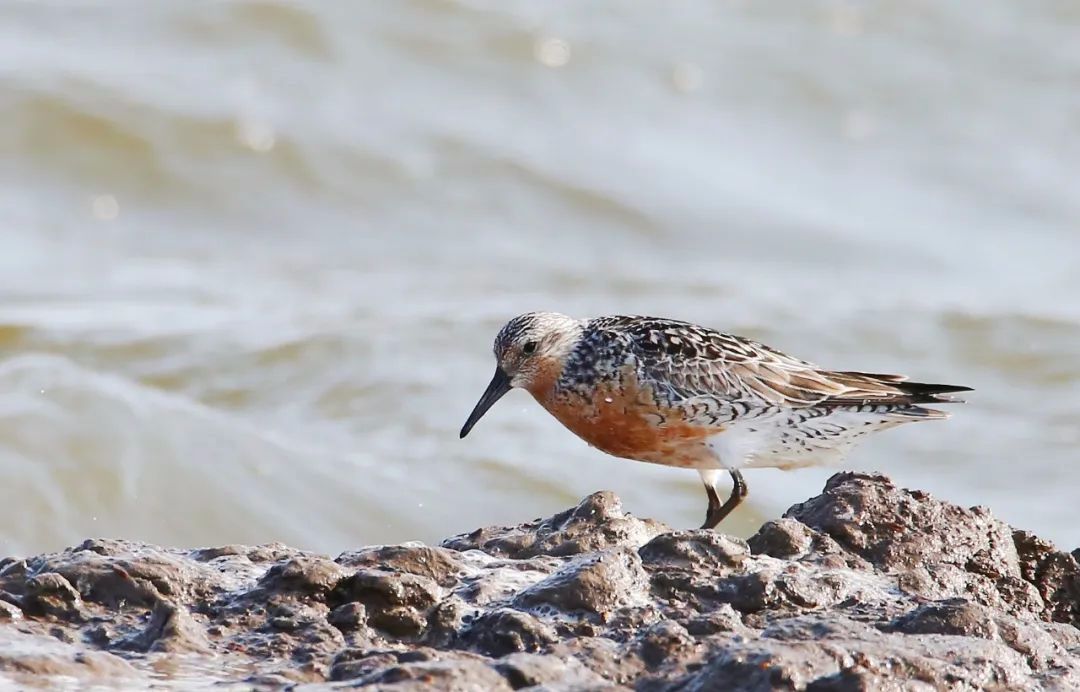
(254,253)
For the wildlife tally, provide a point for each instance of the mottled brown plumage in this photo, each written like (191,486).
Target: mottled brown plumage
(675,393)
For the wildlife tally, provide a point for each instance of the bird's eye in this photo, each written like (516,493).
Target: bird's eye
(529,348)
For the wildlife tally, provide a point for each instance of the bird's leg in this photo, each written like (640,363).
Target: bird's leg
(709,478)
(716,511)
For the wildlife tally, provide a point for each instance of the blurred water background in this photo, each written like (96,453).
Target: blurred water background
(253,254)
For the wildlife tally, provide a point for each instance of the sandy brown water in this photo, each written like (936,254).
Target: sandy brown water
(253,254)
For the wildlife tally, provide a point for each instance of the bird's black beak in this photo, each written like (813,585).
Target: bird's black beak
(500,384)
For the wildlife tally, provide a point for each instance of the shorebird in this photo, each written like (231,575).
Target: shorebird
(675,393)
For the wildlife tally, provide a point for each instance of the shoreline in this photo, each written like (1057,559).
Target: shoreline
(863,585)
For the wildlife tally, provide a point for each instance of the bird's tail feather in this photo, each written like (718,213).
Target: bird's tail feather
(923,393)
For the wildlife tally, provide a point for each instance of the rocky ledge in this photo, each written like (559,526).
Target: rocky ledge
(866,586)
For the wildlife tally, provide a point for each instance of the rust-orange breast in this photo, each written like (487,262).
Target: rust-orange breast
(626,421)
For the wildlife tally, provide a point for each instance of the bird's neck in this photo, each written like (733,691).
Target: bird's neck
(543,383)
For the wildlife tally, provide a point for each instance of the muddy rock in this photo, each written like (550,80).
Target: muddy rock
(596,583)
(50,594)
(460,674)
(396,603)
(936,550)
(529,670)
(440,565)
(866,586)
(507,630)
(171,628)
(598,522)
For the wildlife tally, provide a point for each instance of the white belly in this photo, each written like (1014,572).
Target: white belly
(791,439)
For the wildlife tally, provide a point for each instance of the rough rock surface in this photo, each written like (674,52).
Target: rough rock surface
(864,587)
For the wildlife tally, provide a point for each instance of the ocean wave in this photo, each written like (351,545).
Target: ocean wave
(85,454)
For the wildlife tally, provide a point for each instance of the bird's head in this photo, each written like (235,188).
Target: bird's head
(529,350)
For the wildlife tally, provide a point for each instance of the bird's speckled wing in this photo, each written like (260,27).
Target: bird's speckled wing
(699,365)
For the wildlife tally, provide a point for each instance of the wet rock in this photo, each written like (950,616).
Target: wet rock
(663,641)
(312,576)
(598,522)
(530,670)
(1054,574)
(867,586)
(937,549)
(398,604)
(782,538)
(452,676)
(171,629)
(939,662)
(598,584)
(954,616)
(448,620)
(505,631)
(419,668)
(616,662)
(38,661)
(794,588)
(723,618)
(437,564)
(348,617)
(696,550)
(9,611)
(353,663)
(124,573)
(12,572)
(51,594)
